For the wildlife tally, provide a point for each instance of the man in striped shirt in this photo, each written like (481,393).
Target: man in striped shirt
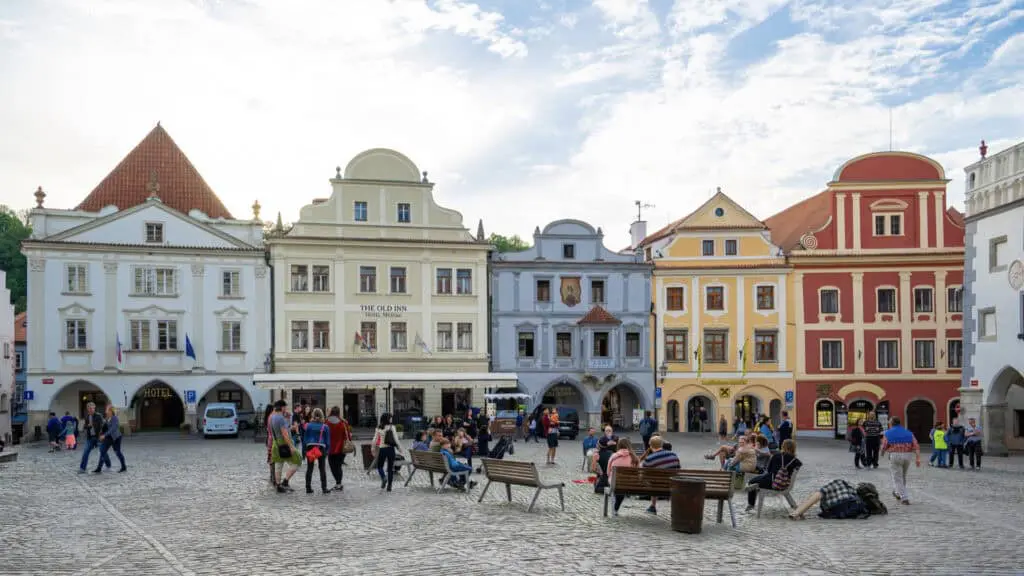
(658,457)
(902,447)
(872,439)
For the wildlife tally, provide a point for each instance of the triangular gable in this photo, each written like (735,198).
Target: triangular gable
(722,212)
(129,227)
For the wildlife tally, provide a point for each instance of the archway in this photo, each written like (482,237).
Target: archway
(618,405)
(230,392)
(157,405)
(673,416)
(700,415)
(920,419)
(564,392)
(76,396)
(747,408)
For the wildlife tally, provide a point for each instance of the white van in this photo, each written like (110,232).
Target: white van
(220,419)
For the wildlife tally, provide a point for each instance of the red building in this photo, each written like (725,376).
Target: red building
(878,264)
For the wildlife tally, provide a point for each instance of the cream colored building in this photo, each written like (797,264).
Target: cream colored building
(376,283)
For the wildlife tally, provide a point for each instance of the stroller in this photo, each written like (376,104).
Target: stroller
(503,446)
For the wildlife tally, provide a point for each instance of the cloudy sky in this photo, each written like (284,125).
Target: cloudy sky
(523,111)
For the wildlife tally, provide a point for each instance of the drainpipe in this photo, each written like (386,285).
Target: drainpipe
(654,359)
(273,332)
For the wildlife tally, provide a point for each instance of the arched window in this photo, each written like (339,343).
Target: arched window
(824,414)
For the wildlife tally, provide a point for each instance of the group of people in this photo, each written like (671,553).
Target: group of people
(462,440)
(103,432)
(609,452)
(954,440)
(305,434)
(546,424)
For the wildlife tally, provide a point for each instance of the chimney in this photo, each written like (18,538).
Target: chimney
(637,233)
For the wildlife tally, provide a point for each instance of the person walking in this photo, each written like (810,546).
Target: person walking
(93,428)
(316,439)
(283,453)
(553,432)
(341,434)
(974,436)
(110,438)
(723,428)
(53,432)
(648,426)
(955,438)
(385,439)
(939,446)
(856,437)
(902,447)
(872,440)
(785,431)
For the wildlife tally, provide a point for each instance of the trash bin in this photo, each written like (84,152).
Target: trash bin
(687,504)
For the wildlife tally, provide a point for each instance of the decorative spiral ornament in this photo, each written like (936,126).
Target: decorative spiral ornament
(808,241)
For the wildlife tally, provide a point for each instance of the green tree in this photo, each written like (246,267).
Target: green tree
(12,231)
(508,243)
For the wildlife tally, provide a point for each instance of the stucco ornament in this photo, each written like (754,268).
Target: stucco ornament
(809,242)
(1015,274)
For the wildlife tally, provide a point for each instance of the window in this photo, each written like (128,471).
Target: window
(19,360)
(888,224)
(997,254)
(399,337)
(367,279)
(465,336)
(602,348)
(444,336)
(923,300)
(321,278)
(138,335)
(322,335)
(955,353)
(714,298)
(676,349)
(154,233)
(707,247)
(166,335)
(715,346)
(444,280)
(731,248)
(888,354)
(76,335)
(368,332)
(674,298)
(398,280)
(464,281)
(823,411)
(766,297)
(924,354)
(569,251)
(76,279)
(987,323)
(155,281)
(526,345)
(832,354)
(632,344)
(300,278)
(955,299)
(765,346)
(404,213)
(543,290)
(597,292)
(359,212)
(231,284)
(230,396)
(300,335)
(231,336)
(886,300)
(563,345)
(829,301)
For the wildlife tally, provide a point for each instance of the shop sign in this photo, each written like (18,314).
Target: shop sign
(47,380)
(158,392)
(383,310)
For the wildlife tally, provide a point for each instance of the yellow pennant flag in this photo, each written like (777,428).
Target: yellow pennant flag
(744,354)
(699,355)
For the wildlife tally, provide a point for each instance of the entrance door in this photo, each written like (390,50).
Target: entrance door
(920,419)
(747,408)
(159,406)
(673,416)
(350,408)
(698,414)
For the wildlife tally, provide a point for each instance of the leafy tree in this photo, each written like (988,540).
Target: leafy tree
(508,243)
(13,230)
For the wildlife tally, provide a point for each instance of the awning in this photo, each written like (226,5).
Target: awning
(518,396)
(297,381)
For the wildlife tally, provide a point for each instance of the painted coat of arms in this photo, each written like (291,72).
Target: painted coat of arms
(571,291)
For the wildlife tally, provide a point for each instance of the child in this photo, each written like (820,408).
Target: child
(939,446)
(589,448)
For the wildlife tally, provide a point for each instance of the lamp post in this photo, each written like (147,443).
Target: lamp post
(663,371)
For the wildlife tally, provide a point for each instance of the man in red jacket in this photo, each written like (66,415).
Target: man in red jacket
(341,433)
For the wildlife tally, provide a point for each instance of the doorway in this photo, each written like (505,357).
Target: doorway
(673,416)
(858,411)
(698,414)
(456,401)
(617,407)
(359,408)
(158,406)
(747,408)
(920,419)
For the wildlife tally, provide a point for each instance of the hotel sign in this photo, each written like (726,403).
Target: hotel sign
(383,310)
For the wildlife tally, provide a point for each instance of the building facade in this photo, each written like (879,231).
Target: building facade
(877,283)
(379,279)
(7,361)
(19,408)
(148,296)
(572,318)
(723,330)
(994,297)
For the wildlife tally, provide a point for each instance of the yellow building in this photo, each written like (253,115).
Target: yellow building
(724,337)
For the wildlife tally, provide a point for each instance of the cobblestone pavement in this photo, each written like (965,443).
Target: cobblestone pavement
(189,506)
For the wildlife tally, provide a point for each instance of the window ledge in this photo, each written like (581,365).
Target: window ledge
(230,351)
(223,297)
(68,293)
(76,351)
(327,292)
(170,352)
(144,295)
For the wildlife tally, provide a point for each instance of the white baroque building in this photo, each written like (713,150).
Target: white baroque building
(994,297)
(149,295)
(7,360)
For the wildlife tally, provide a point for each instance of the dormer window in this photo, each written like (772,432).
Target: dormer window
(888,224)
(154,233)
(569,251)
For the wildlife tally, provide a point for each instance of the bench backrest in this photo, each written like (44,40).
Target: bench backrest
(717,483)
(515,471)
(427,460)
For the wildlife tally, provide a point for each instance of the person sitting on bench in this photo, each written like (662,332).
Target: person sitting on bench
(455,466)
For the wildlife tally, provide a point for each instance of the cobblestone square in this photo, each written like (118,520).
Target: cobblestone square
(189,506)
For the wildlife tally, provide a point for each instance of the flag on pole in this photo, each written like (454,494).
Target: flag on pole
(120,355)
(190,352)
(361,341)
(743,355)
(698,354)
(422,344)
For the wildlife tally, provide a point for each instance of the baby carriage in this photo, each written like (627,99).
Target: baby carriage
(504,445)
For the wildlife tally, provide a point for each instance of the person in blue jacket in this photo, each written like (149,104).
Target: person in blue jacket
(53,430)
(316,437)
(455,466)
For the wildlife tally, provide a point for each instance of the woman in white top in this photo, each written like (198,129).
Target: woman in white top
(385,441)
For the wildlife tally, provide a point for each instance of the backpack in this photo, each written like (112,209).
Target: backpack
(782,478)
(869,495)
(389,437)
(645,427)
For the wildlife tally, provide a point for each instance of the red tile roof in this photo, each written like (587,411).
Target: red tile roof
(181,186)
(956,216)
(598,315)
(20,327)
(788,226)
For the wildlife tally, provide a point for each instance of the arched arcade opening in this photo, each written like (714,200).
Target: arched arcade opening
(76,396)
(157,405)
(619,406)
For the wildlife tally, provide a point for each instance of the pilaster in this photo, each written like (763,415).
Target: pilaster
(840,221)
(696,301)
(198,315)
(858,322)
(481,328)
(781,304)
(906,313)
(659,336)
(110,363)
(741,318)
(427,305)
(798,314)
(940,212)
(922,205)
(855,202)
(37,289)
(939,306)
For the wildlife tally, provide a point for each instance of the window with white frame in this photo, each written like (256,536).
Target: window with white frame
(367,279)
(955,353)
(76,279)
(154,233)
(829,301)
(765,297)
(166,334)
(399,337)
(444,280)
(632,344)
(987,323)
(569,251)
(464,281)
(543,291)
(714,298)
(526,344)
(731,247)
(404,213)
(924,354)
(831,354)
(674,298)
(602,345)
(716,347)
(465,336)
(676,349)
(231,283)
(398,280)
(368,332)
(888,354)
(360,211)
(76,335)
(154,281)
(707,247)
(19,360)
(321,335)
(321,278)
(231,336)
(300,335)
(923,300)
(300,278)
(444,336)
(139,335)
(766,345)
(563,345)
(886,300)
(955,299)
(888,224)
(597,292)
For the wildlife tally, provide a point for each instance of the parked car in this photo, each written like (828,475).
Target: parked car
(220,419)
(568,420)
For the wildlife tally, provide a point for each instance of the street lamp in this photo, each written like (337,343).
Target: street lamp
(663,371)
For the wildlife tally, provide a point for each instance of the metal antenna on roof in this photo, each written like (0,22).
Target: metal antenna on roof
(640,205)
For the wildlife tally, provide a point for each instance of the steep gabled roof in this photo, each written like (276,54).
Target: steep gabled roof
(180,185)
(598,315)
(788,226)
(689,222)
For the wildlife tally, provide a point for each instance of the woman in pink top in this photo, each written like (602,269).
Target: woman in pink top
(623,456)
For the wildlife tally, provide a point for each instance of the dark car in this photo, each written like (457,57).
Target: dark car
(568,420)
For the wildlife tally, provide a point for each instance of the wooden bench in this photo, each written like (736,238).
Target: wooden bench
(433,463)
(657,482)
(518,473)
(8,457)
